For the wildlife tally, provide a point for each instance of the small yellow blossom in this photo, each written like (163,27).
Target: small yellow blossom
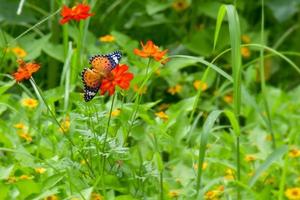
(65,125)
(162,115)
(250,158)
(116,112)
(180,5)
(25,136)
(174,193)
(200,85)
(294,153)
(25,177)
(175,89)
(19,52)
(245,51)
(96,196)
(20,126)
(29,102)
(52,197)
(246,39)
(293,193)
(140,90)
(228,99)
(40,170)
(11,179)
(204,166)
(211,195)
(229,174)
(268,137)
(214,194)
(107,38)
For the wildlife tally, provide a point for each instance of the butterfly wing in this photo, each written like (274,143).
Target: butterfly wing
(106,63)
(91,81)
(101,67)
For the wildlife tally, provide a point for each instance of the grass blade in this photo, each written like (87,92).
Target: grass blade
(277,154)
(208,125)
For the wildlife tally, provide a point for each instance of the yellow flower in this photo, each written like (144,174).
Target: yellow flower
(228,99)
(245,51)
(107,38)
(180,5)
(214,194)
(29,102)
(25,136)
(229,174)
(250,158)
(25,177)
(40,170)
(11,179)
(204,166)
(19,52)
(20,126)
(65,125)
(140,90)
(116,112)
(293,193)
(175,89)
(162,115)
(294,153)
(96,196)
(246,39)
(200,85)
(174,193)
(211,195)
(52,197)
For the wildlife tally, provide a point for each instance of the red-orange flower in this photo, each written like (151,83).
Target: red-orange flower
(78,12)
(25,70)
(118,77)
(150,50)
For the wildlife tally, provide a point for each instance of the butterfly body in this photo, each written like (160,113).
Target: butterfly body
(101,68)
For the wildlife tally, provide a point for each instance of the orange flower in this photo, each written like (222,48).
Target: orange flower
(78,12)
(25,70)
(118,77)
(245,51)
(150,50)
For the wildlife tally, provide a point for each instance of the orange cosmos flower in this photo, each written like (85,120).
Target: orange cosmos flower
(25,70)
(118,77)
(150,50)
(78,12)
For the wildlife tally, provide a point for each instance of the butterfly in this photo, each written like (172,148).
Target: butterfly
(101,68)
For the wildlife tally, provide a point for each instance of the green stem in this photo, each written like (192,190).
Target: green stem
(238,165)
(161,186)
(137,103)
(104,142)
(42,98)
(262,78)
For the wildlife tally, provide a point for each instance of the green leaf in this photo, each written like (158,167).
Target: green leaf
(56,51)
(207,127)
(234,122)
(273,157)
(5,172)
